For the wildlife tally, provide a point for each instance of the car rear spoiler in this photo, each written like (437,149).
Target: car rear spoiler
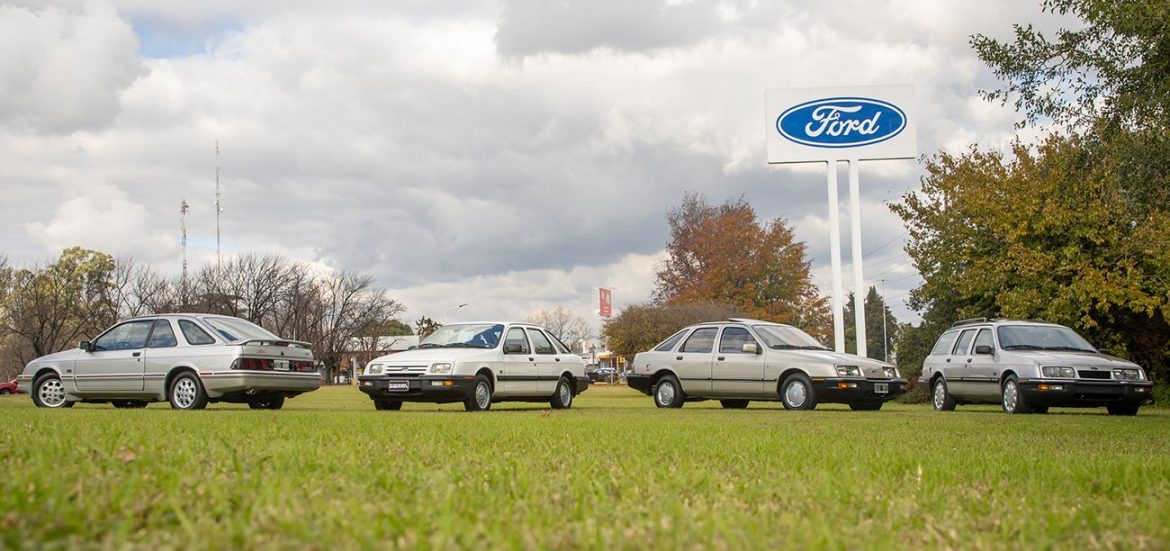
(270,342)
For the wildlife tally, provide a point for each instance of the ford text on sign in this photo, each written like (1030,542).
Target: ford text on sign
(853,123)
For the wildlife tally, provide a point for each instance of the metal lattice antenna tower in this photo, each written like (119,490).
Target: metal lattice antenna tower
(218,209)
(183,210)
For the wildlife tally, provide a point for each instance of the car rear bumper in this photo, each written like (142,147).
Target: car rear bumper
(437,389)
(582,384)
(852,390)
(640,382)
(1081,393)
(219,383)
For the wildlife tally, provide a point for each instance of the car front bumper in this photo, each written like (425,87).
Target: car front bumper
(853,390)
(220,383)
(438,389)
(1082,393)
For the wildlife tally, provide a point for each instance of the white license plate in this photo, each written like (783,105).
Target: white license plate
(397,386)
(881,388)
(280,365)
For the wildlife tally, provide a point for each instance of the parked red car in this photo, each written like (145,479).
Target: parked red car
(9,387)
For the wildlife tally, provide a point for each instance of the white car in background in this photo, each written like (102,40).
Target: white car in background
(478,364)
(186,359)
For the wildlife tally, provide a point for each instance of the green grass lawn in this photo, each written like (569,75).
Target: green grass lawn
(614,472)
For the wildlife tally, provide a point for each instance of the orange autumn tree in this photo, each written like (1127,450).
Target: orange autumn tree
(725,254)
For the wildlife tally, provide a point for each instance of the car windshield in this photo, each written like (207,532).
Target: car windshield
(1042,337)
(465,335)
(785,337)
(236,329)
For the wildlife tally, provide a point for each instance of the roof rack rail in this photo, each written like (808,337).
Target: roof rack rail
(968,321)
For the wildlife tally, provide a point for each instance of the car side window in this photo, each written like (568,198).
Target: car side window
(561,347)
(194,334)
(963,345)
(516,336)
(733,340)
(701,341)
(668,344)
(540,343)
(162,336)
(984,338)
(944,344)
(128,336)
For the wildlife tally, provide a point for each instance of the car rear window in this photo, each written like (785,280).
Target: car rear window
(964,343)
(162,336)
(701,341)
(668,344)
(194,334)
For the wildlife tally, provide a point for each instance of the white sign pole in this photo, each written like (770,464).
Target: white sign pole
(858,276)
(835,253)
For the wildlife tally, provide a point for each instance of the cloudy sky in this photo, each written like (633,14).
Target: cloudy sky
(511,155)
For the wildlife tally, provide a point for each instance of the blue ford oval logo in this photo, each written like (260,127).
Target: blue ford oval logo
(841,122)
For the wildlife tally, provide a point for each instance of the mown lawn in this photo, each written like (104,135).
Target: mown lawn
(613,472)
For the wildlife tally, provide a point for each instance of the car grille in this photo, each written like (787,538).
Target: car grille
(1085,374)
(404,370)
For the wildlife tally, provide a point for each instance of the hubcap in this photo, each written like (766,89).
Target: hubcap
(483,396)
(1010,396)
(665,393)
(796,394)
(185,391)
(940,395)
(52,393)
(566,396)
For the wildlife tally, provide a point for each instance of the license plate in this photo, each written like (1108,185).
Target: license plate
(881,388)
(280,365)
(397,386)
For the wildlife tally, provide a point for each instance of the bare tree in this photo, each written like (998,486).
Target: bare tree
(571,328)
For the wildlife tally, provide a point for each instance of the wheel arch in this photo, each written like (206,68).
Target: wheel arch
(1003,376)
(47,369)
(658,375)
(175,372)
(786,374)
(491,376)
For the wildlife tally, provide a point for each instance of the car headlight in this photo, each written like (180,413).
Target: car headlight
(890,372)
(375,369)
(440,369)
(1127,374)
(1058,371)
(848,371)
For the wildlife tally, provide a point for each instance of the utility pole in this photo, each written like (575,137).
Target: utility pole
(218,210)
(183,209)
(885,340)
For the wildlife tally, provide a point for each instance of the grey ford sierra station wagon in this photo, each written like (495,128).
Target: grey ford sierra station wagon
(1027,367)
(741,360)
(186,359)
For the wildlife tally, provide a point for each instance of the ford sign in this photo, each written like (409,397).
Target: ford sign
(841,122)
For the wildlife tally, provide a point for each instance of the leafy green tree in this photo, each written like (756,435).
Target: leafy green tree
(424,326)
(724,254)
(875,308)
(640,327)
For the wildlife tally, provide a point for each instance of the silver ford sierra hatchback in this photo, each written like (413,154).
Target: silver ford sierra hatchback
(186,359)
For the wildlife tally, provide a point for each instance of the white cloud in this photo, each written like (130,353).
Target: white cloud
(104,219)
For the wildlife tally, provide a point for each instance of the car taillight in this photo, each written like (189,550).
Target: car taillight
(253,364)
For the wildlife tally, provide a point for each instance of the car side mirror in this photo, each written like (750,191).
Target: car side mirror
(983,349)
(85,345)
(750,348)
(512,348)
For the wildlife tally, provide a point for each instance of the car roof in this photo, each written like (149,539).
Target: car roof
(1001,322)
(739,321)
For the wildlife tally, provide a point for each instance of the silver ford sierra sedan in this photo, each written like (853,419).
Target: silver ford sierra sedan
(186,359)
(742,360)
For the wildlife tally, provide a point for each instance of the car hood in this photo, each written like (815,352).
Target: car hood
(62,356)
(427,356)
(869,366)
(1073,359)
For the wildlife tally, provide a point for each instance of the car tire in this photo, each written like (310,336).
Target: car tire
(5,391)
(481,395)
(562,398)
(940,396)
(1128,411)
(49,392)
(128,404)
(668,393)
(187,392)
(1011,399)
(387,405)
(866,406)
(734,404)
(267,403)
(796,392)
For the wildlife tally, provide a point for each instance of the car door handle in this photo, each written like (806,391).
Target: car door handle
(721,358)
(948,360)
(678,357)
(968,360)
(532,359)
(136,354)
(558,359)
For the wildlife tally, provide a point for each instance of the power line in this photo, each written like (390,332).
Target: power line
(883,245)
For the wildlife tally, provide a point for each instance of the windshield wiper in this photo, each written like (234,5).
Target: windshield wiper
(430,345)
(1068,348)
(796,347)
(1022,347)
